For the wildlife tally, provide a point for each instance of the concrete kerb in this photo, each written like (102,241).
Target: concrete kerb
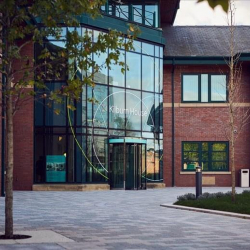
(208,211)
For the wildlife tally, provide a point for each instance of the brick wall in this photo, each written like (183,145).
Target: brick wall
(200,124)
(23,134)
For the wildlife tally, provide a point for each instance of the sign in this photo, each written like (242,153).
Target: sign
(129,111)
(55,168)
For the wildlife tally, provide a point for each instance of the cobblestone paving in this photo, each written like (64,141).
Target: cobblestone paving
(124,220)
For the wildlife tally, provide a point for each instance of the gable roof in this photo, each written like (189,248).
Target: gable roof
(204,41)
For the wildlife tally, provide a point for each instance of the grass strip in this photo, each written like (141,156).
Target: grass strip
(241,205)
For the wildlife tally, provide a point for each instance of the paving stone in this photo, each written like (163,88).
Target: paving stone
(119,220)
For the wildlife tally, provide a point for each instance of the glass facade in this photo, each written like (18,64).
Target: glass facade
(71,146)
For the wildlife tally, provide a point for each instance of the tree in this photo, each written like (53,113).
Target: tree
(238,116)
(25,22)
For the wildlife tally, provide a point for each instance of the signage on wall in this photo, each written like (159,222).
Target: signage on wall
(130,111)
(55,168)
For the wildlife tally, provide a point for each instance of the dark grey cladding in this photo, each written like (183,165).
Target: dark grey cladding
(204,40)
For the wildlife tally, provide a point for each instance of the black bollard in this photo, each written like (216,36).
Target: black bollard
(198,181)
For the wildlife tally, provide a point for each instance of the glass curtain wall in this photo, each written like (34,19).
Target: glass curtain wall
(71,147)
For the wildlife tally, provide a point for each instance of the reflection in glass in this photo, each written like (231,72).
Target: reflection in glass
(81,162)
(204,88)
(100,115)
(116,132)
(137,46)
(116,77)
(157,113)
(62,35)
(190,88)
(99,159)
(56,70)
(133,134)
(151,15)
(157,160)
(89,107)
(55,112)
(218,88)
(148,73)
(102,75)
(190,156)
(161,159)
(161,115)
(133,110)
(122,11)
(137,13)
(161,75)
(89,173)
(219,166)
(116,108)
(148,111)
(148,49)
(157,51)
(39,107)
(133,74)
(157,75)
(150,160)
(161,52)
(147,135)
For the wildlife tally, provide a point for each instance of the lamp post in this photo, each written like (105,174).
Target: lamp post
(198,181)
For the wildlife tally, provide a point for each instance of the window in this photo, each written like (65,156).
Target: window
(211,156)
(143,12)
(204,88)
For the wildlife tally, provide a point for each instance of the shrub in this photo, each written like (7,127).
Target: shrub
(185,197)
(206,195)
(246,192)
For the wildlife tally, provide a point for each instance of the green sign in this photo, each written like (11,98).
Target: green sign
(55,168)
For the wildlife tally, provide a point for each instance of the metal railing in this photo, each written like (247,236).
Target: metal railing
(131,13)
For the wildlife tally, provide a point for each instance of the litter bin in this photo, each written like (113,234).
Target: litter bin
(244,177)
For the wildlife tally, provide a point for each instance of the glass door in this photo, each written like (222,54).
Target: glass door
(127,165)
(116,166)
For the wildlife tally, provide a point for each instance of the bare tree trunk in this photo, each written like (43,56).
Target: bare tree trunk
(232,150)
(234,85)
(9,170)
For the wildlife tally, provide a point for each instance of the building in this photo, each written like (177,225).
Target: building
(195,96)
(147,128)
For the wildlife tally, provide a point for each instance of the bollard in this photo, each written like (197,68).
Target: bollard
(198,181)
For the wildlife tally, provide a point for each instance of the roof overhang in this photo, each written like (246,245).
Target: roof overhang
(202,60)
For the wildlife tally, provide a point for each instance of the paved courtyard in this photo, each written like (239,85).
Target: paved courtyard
(124,220)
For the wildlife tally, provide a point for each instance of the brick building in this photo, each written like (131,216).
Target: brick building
(195,118)
(151,126)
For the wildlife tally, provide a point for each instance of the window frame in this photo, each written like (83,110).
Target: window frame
(199,87)
(210,151)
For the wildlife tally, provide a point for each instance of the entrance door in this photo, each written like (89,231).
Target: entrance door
(116,163)
(127,164)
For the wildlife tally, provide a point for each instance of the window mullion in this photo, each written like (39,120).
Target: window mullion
(199,88)
(209,88)
(209,156)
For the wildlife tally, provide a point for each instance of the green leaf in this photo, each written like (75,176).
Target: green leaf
(57,111)
(213,3)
